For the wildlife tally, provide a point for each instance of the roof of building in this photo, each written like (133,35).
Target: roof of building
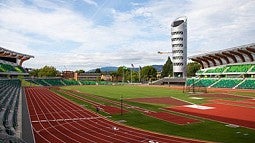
(8,53)
(239,54)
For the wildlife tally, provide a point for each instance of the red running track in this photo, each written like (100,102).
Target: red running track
(55,119)
(172,118)
(238,115)
(161,100)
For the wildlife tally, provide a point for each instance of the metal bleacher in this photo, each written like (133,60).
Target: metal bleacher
(10,91)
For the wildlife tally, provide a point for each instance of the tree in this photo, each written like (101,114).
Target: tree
(167,69)
(148,73)
(98,70)
(192,68)
(47,71)
(80,71)
(123,70)
(34,72)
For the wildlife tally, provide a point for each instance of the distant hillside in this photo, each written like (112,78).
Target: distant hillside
(158,67)
(111,69)
(105,69)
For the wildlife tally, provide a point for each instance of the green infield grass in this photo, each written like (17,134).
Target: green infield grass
(205,130)
(128,92)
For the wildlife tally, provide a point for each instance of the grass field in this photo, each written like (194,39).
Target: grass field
(205,130)
(127,92)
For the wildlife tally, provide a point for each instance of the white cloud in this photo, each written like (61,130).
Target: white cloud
(91,2)
(133,36)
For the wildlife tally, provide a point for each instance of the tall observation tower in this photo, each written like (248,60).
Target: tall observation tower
(179,47)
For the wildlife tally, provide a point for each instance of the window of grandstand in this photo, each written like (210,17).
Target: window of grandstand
(177,45)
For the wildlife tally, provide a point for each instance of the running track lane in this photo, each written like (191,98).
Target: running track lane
(55,119)
(242,116)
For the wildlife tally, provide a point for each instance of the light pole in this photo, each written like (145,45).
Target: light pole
(123,74)
(139,74)
(131,75)
(132,65)
(121,105)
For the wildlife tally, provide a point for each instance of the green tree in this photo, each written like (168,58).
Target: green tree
(123,70)
(80,71)
(192,68)
(98,70)
(148,73)
(167,69)
(47,71)
(34,72)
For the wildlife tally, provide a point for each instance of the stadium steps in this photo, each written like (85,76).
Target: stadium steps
(248,84)
(214,83)
(227,83)
(158,82)
(239,84)
(79,82)
(251,69)
(226,70)
(63,82)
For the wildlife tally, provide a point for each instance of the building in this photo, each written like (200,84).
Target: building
(11,63)
(87,76)
(179,47)
(67,74)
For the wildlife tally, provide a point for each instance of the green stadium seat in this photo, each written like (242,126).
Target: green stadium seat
(70,82)
(238,68)
(216,70)
(247,84)
(227,83)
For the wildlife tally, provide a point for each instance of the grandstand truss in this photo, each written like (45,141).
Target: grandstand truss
(240,54)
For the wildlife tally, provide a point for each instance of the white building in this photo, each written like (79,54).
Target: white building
(179,47)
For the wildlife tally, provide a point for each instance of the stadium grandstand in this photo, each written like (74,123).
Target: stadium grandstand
(228,68)
(11,63)
(64,82)
(15,126)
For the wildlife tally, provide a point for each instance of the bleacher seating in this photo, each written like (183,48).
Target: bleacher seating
(247,84)
(239,68)
(70,82)
(84,82)
(9,101)
(10,68)
(227,83)
(216,70)
(191,81)
(253,69)
(205,82)
(52,81)
(40,82)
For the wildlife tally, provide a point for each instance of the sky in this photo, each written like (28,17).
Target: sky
(87,34)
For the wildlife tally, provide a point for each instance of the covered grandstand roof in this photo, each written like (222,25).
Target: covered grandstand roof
(240,54)
(11,54)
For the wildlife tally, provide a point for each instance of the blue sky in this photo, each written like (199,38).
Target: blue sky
(86,34)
